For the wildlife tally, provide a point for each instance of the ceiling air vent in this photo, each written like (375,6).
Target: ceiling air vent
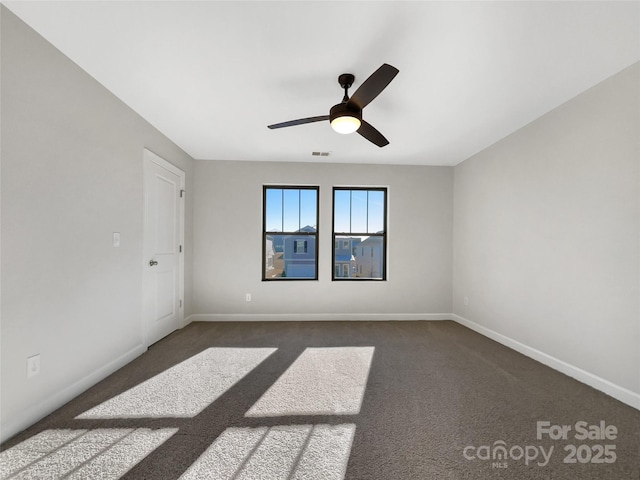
(320,154)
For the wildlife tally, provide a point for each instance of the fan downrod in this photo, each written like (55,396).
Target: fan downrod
(346,80)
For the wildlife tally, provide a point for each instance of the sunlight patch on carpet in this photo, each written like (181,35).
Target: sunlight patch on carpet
(322,381)
(297,452)
(185,389)
(102,453)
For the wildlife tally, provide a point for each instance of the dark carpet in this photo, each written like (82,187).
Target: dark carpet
(439,403)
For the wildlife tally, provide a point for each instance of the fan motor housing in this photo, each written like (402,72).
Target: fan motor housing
(342,110)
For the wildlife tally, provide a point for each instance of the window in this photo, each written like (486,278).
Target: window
(290,233)
(345,270)
(300,246)
(359,220)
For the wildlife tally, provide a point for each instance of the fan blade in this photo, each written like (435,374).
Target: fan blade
(371,134)
(300,121)
(373,85)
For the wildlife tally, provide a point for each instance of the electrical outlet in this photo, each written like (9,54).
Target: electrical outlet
(248,297)
(466,300)
(116,239)
(33,366)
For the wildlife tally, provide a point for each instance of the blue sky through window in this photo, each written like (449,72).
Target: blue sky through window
(290,209)
(358,211)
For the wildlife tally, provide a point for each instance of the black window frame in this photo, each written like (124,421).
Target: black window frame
(383,235)
(265,233)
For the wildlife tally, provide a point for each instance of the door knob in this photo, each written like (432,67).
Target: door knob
(152,263)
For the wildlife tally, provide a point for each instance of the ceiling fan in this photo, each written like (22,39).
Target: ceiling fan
(346,117)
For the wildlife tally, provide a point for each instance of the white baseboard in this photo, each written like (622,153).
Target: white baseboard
(620,393)
(35,413)
(311,317)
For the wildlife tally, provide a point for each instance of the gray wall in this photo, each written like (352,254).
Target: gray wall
(228,253)
(71,175)
(546,232)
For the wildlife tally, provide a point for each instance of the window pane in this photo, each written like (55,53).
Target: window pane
(290,256)
(273,210)
(376,211)
(341,210)
(291,210)
(358,211)
(308,208)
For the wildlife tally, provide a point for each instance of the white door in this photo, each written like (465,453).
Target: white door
(162,252)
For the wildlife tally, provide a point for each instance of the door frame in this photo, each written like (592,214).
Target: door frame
(147,158)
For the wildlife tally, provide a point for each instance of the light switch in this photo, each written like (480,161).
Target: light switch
(116,239)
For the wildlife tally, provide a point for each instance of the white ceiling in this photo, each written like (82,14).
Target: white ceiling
(212,75)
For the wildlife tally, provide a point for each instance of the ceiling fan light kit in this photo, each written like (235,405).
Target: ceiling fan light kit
(346,117)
